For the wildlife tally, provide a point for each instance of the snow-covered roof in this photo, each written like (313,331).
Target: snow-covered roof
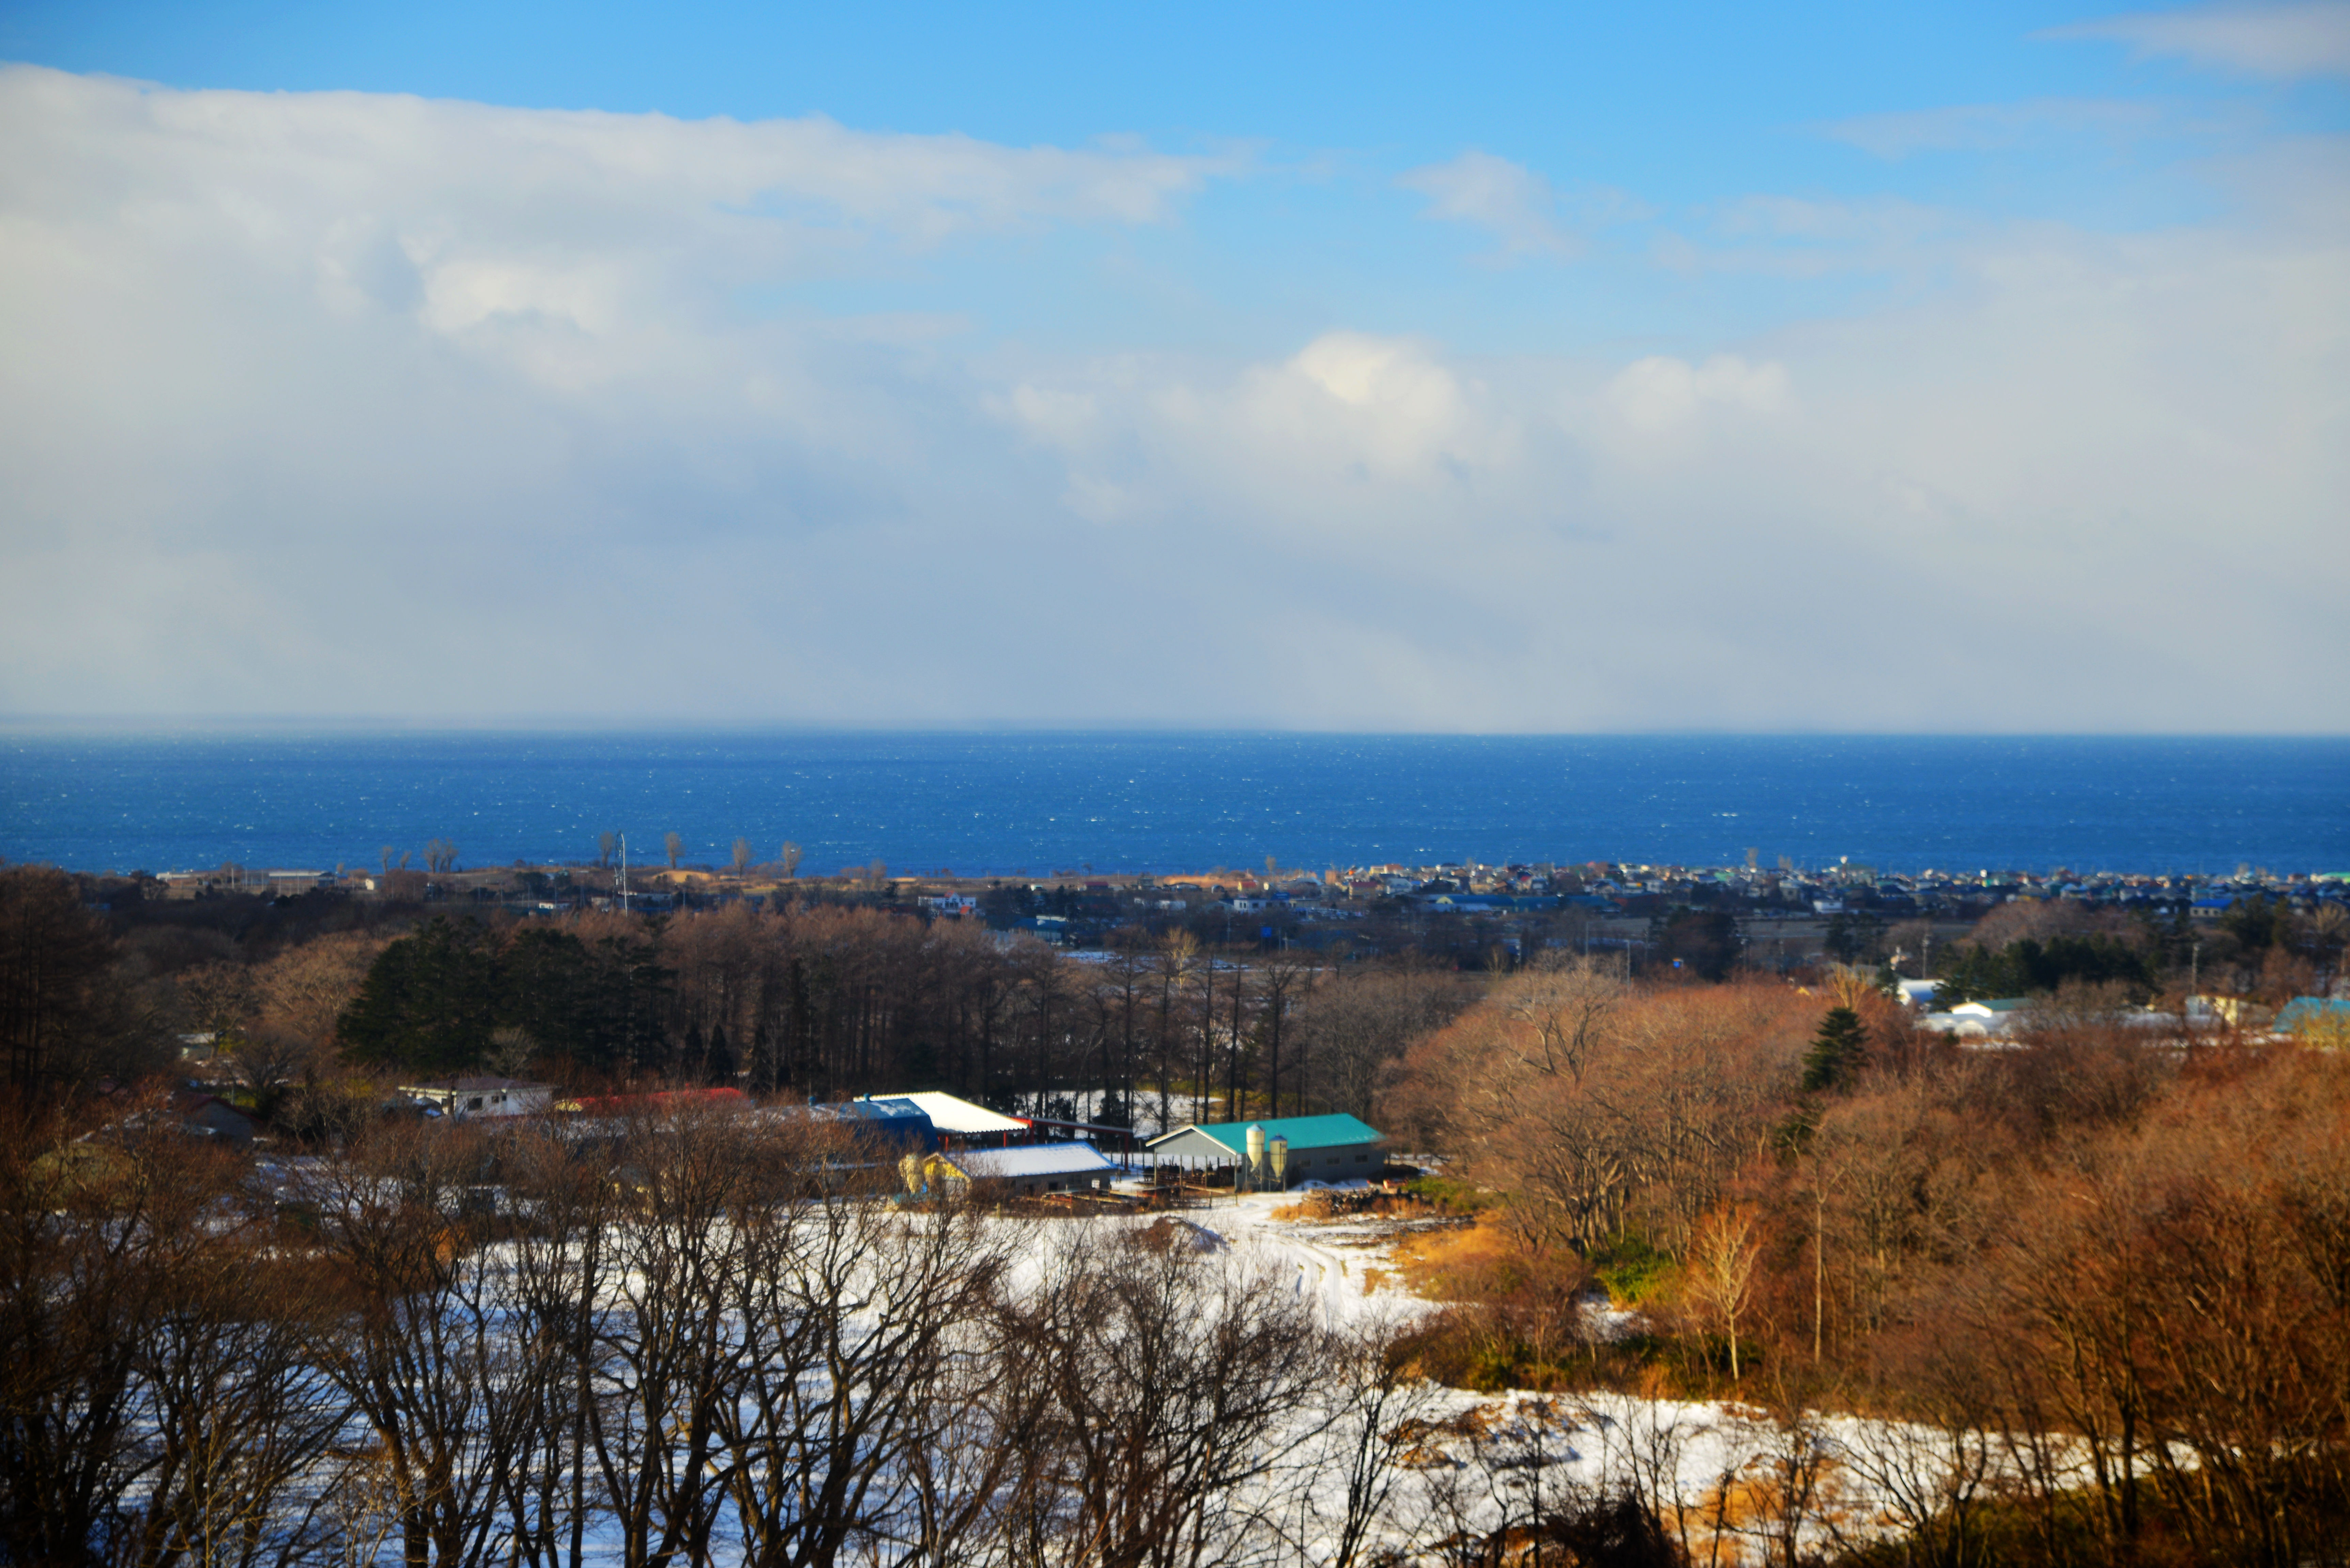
(951,1115)
(1035,1159)
(470,1085)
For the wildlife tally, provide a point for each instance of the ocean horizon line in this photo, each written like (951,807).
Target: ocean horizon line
(1149,801)
(232,727)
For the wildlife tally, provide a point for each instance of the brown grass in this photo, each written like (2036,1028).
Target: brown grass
(1484,1263)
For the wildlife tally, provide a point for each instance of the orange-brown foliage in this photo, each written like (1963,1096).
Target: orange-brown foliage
(1603,1108)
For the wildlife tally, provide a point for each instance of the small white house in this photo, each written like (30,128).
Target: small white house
(1917,993)
(1977,1020)
(481,1099)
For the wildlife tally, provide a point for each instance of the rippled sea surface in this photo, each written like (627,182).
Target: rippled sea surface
(1039,803)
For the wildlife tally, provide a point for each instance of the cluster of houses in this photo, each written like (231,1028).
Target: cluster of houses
(1598,884)
(1993,1020)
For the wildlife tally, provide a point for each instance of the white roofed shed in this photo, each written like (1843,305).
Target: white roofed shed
(1035,1169)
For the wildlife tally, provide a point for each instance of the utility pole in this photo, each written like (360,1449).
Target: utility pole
(624,873)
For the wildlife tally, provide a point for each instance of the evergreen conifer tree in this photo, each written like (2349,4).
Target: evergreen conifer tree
(1838,1051)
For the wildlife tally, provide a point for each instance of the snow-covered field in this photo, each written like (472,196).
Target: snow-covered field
(1729,1482)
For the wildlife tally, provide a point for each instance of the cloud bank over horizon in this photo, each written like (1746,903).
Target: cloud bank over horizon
(362,403)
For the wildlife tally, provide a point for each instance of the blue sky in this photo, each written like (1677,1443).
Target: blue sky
(1351,367)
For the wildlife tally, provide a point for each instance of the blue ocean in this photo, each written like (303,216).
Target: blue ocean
(1009,804)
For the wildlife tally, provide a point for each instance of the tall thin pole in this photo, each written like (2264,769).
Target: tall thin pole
(624,873)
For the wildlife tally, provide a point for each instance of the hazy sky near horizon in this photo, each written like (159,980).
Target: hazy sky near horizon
(1519,367)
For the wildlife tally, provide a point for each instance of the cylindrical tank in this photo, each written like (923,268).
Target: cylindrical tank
(1278,1150)
(1255,1157)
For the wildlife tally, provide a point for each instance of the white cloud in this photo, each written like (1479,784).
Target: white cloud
(351,404)
(2307,39)
(1661,392)
(1994,127)
(1517,207)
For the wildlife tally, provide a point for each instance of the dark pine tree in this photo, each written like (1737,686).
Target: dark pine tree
(1836,1053)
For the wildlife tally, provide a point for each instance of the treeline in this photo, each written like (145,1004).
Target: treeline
(308,1008)
(823,1000)
(2026,967)
(2109,1278)
(2259,949)
(76,1006)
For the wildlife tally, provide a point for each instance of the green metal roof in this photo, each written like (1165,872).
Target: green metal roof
(1302,1132)
(2310,1009)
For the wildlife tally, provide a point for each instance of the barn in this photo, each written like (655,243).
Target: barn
(1029,1172)
(958,1123)
(1337,1147)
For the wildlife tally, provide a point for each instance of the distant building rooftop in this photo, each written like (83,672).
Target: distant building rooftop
(1041,1159)
(1302,1133)
(955,1116)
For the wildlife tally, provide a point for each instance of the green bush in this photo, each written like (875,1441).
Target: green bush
(1630,1269)
(1459,1197)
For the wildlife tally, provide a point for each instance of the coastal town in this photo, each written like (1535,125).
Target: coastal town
(1079,909)
(1699,919)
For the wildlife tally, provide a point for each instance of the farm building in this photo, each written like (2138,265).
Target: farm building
(480,1098)
(208,1115)
(1027,1172)
(2322,1018)
(959,1124)
(957,1121)
(1337,1147)
(894,1121)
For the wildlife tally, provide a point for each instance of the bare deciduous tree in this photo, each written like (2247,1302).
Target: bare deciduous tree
(1721,1269)
(270,1055)
(421,1343)
(1169,1379)
(1379,1400)
(221,999)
